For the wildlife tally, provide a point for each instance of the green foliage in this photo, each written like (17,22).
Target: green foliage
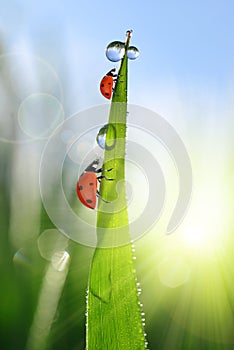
(114,315)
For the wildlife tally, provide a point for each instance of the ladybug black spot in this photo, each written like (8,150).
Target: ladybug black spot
(80,188)
(89,201)
(91,184)
(107,94)
(102,85)
(109,83)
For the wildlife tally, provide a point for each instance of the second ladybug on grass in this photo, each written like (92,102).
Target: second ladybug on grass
(87,185)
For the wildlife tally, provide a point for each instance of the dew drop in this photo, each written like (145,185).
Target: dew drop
(115,51)
(101,137)
(132,52)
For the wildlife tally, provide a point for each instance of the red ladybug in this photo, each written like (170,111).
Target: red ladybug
(107,83)
(87,184)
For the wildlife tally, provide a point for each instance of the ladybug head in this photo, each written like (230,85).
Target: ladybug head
(112,72)
(94,165)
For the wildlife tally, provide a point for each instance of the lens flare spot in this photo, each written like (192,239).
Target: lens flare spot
(51,242)
(39,115)
(195,237)
(173,271)
(21,259)
(60,260)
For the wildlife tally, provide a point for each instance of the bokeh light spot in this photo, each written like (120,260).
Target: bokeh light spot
(39,115)
(51,242)
(173,271)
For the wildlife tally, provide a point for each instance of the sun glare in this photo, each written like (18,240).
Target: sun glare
(203,232)
(203,240)
(195,237)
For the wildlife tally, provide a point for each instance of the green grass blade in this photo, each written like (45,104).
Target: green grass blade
(114,313)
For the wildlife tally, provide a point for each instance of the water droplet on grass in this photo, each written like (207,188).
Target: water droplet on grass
(101,137)
(115,51)
(132,52)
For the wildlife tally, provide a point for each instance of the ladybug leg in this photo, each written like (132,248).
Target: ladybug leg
(103,177)
(99,196)
(101,170)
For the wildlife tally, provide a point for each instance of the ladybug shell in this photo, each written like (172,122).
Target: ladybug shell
(106,86)
(86,189)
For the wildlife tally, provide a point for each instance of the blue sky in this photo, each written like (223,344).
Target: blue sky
(187,46)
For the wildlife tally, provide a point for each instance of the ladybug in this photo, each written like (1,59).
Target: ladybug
(107,83)
(87,184)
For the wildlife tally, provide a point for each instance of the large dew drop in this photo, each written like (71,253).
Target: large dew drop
(101,137)
(115,51)
(132,52)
